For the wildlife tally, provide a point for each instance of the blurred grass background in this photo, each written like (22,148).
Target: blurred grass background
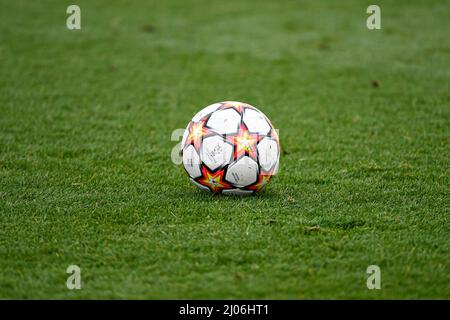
(85,171)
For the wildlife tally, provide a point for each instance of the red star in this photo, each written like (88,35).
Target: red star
(262,181)
(214,181)
(238,106)
(245,143)
(197,131)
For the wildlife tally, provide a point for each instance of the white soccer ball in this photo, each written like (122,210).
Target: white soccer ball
(230,147)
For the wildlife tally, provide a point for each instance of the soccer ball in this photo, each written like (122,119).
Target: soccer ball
(230,147)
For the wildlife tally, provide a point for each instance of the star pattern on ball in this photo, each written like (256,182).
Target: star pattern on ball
(214,181)
(238,106)
(245,143)
(262,181)
(197,131)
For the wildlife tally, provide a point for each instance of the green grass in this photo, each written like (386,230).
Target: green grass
(85,171)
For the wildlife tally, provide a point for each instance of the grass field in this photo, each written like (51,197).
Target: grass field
(85,140)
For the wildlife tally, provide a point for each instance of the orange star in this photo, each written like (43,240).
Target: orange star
(238,106)
(196,132)
(262,181)
(214,181)
(245,143)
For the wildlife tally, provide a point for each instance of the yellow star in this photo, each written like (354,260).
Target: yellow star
(196,132)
